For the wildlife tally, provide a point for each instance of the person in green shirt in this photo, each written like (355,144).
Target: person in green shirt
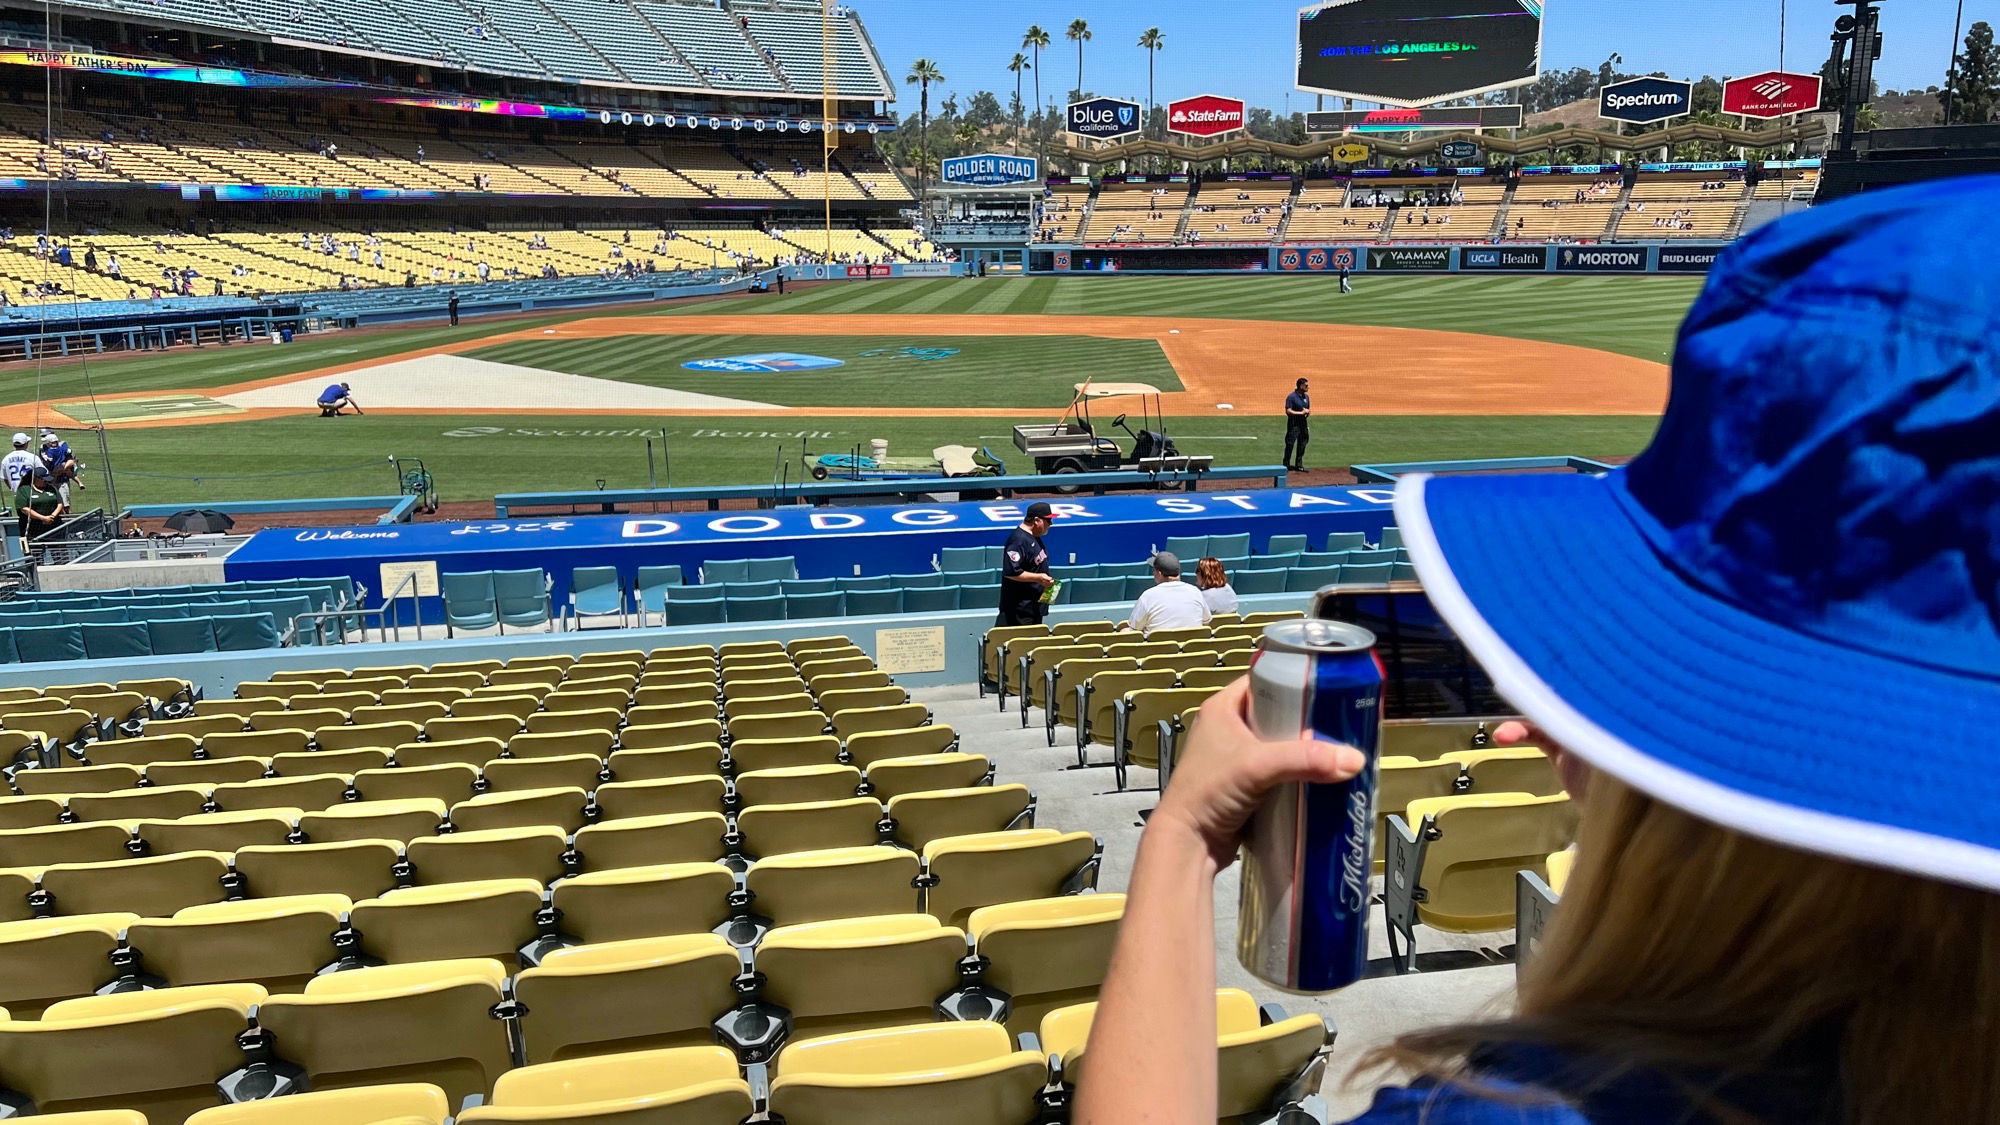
(40,505)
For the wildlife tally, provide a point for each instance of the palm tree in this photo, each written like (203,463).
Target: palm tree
(1018,64)
(1154,43)
(923,72)
(1079,33)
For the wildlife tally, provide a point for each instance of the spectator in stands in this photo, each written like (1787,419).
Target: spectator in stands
(1024,568)
(1170,603)
(1769,918)
(1216,591)
(90,258)
(336,398)
(42,507)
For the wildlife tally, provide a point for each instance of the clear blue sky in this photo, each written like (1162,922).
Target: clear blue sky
(1244,47)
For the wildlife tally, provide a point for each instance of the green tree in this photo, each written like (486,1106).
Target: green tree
(923,72)
(1154,43)
(1972,86)
(1078,33)
(1018,64)
(1035,40)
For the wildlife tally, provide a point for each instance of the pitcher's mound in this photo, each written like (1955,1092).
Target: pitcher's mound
(450,382)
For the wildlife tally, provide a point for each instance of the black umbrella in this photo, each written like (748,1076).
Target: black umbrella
(200,521)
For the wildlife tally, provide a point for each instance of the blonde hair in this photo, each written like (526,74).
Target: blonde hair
(1718,960)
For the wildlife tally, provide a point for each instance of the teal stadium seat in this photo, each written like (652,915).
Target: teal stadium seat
(768,589)
(961,560)
(791,586)
(49,642)
(468,600)
(1072,573)
(188,634)
(702,593)
(725,570)
(1141,569)
(1285,544)
(8,654)
(773,570)
(117,640)
(1226,546)
(1188,546)
(521,597)
(1261,581)
(831,603)
(983,596)
(1321,558)
(695,611)
(870,603)
(1347,541)
(650,589)
(1136,584)
(1391,537)
(1088,590)
(1306,579)
(98,616)
(867,582)
(1402,572)
(930,599)
(242,632)
(915,581)
(770,608)
(597,591)
(29,619)
(1367,572)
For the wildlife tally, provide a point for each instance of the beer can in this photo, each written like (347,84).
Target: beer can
(1302,925)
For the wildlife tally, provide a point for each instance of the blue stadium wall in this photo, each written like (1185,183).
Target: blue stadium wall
(1398,258)
(827,542)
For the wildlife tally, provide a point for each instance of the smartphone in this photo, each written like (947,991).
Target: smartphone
(1427,674)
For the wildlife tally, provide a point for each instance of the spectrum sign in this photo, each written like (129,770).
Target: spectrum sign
(1205,115)
(1642,101)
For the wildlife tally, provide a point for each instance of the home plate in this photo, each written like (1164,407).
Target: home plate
(448,382)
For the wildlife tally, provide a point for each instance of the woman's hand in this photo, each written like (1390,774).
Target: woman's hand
(1573,771)
(1224,771)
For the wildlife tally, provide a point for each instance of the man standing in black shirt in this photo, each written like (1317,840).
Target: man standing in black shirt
(1298,409)
(1024,569)
(451,308)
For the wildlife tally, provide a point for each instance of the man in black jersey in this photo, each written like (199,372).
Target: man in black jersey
(1024,569)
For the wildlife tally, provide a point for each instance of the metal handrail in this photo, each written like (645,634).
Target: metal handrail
(388,616)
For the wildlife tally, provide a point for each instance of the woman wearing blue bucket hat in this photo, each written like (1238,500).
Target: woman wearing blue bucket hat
(1769,654)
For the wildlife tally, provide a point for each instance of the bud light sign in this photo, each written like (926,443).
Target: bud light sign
(1644,100)
(1104,119)
(991,170)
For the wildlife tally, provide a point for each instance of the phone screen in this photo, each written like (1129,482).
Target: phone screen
(1427,672)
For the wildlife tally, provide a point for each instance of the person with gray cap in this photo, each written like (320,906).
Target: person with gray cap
(1169,603)
(1765,657)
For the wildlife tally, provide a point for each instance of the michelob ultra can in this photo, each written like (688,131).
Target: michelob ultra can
(1303,922)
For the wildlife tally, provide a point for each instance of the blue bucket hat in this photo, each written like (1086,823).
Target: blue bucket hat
(1784,616)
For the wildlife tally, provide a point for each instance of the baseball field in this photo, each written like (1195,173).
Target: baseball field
(732,390)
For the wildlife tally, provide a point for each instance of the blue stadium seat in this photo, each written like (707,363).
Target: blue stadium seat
(1141,569)
(962,560)
(1285,544)
(773,570)
(1136,585)
(241,632)
(1085,590)
(984,596)
(115,641)
(98,616)
(867,582)
(7,653)
(770,589)
(522,597)
(696,593)
(916,581)
(1188,546)
(29,619)
(1367,572)
(649,592)
(165,611)
(597,591)
(725,570)
(468,601)
(929,599)
(869,603)
(1258,581)
(770,608)
(791,586)
(1309,578)
(706,611)
(1275,562)
(996,555)
(830,603)
(1347,541)
(1404,571)
(1072,573)
(1391,537)
(1381,556)
(191,634)
(1321,558)
(49,642)
(1226,546)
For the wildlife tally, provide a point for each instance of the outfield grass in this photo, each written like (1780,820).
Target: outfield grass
(474,457)
(306,456)
(992,371)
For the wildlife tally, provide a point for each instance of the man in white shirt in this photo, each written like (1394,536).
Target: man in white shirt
(1170,604)
(19,464)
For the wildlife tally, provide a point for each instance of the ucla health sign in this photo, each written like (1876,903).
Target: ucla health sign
(1104,119)
(991,169)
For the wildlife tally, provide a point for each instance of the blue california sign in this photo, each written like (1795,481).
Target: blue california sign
(1104,119)
(991,169)
(1643,100)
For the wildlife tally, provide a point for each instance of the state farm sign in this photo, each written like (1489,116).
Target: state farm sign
(1205,116)
(1773,93)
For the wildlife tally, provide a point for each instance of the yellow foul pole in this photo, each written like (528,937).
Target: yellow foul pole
(829,117)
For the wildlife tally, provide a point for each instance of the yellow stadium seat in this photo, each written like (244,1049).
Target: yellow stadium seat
(580,1000)
(672,1086)
(407,1104)
(967,1073)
